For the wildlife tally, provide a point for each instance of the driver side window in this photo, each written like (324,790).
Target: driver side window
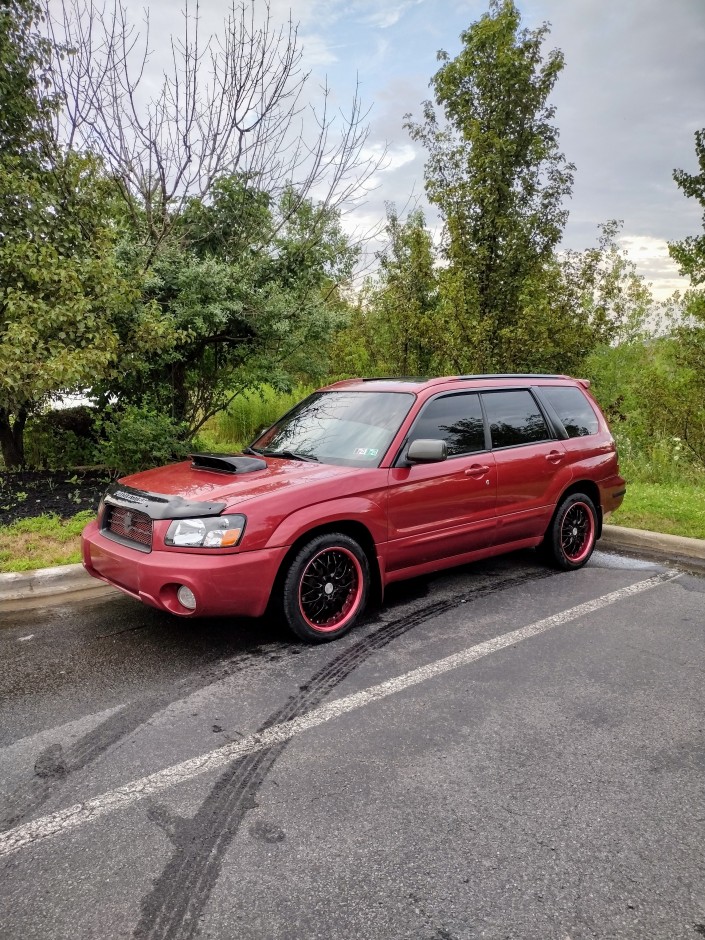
(455,419)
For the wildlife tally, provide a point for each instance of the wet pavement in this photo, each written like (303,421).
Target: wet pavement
(550,787)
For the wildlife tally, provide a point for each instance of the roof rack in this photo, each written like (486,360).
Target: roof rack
(395,378)
(511,375)
(439,380)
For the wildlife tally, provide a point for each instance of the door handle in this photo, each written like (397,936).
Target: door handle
(554,456)
(477,470)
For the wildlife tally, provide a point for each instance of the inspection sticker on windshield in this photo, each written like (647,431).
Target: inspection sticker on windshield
(366,451)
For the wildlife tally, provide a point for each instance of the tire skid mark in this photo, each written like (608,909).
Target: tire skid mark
(30,796)
(57,764)
(173,908)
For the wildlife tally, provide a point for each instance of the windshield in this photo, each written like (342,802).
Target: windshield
(349,428)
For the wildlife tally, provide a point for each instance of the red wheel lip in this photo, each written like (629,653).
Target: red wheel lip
(352,603)
(589,535)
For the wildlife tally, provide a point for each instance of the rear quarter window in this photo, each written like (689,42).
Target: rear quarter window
(573,408)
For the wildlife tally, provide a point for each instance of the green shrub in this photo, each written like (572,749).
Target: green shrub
(139,438)
(656,410)
(62,438)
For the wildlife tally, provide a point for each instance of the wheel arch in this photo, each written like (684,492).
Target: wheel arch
(589,488)
(356,530)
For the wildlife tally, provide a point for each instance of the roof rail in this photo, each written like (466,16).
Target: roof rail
(395,378)
(511,375)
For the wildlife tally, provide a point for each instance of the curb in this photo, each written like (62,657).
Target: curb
(72,582)
(46,585)
(654,543)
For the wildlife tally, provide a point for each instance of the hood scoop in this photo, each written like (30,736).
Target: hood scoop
(227,463)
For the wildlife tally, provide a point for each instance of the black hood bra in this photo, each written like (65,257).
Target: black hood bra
(158,506)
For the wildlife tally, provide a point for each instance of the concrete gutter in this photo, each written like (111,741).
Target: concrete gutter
(51,586)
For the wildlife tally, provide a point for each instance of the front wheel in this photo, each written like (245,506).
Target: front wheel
(570,539)
(325,589)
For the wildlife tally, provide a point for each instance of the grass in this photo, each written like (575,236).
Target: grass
(41,542)
(672,508)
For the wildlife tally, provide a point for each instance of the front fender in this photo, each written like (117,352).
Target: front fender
(357,509)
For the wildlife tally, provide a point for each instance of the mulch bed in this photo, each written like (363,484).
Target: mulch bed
(29,493)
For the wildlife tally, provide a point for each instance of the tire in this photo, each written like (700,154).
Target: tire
(570,539)
(325,588)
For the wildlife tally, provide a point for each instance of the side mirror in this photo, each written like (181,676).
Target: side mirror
(427,451)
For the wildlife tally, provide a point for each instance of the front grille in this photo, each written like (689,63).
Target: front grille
(130,525)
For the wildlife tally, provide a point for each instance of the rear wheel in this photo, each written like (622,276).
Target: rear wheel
(570,539)
(326,586)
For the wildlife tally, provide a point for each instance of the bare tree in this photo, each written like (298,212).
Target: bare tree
(231,103)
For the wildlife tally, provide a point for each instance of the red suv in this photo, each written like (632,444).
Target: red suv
(365,482)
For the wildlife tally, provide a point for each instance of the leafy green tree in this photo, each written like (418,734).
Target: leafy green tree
(496,173)
(406,299)
(689,253)
(58,287)
(232,195)
(26,102)
(690,257)
(250,287)
(394,329)
(686,410)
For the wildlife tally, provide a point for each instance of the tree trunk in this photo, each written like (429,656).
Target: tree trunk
(12,438)
(179,392)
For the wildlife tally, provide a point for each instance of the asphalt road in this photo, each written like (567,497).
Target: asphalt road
(501,751)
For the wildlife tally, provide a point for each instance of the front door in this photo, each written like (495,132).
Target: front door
(445,509)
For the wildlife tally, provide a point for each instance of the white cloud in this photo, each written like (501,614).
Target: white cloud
(316,51)
(395,157)
(628,100)
(383,19)
(650,255)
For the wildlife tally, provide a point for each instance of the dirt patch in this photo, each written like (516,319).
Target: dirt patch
(29,493)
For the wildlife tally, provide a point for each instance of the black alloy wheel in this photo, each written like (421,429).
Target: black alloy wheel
(326,588)
(570,539)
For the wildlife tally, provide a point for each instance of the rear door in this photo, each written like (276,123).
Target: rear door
(443,509)
(530,462)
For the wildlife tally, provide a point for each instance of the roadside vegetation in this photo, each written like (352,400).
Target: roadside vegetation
(673,508)
(193,284)
(41,542)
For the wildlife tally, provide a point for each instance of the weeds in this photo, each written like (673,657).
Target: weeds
(41,542)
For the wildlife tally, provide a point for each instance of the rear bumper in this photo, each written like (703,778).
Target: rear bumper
(233,584)
(612,492)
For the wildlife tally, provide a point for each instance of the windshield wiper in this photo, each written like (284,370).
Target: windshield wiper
(285,455)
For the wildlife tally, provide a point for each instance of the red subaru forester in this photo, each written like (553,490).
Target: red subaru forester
(365,482)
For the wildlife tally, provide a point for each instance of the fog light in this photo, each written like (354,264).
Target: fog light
(186,597)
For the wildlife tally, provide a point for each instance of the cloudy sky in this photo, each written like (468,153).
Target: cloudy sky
(628,101)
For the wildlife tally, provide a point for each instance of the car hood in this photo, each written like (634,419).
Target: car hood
(181,479)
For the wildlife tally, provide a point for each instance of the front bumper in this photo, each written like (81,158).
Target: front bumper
(234,584)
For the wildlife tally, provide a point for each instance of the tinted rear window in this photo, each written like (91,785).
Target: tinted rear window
(514,418)
(573,408)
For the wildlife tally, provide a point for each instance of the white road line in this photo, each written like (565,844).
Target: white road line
(66,820)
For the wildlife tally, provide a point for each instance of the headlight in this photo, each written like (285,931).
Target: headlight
(213,532)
